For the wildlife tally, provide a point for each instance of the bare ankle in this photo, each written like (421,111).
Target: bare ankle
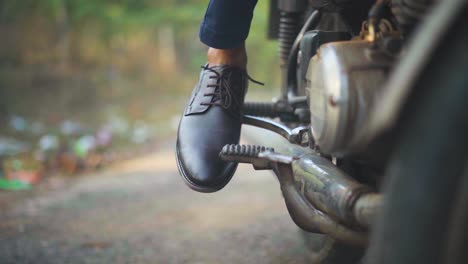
(234,57)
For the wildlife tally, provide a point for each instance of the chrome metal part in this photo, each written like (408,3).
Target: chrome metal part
(296,136)
(343,80)
(329,188)
(307,217)
(276,157)
(319,197)
(247,154)
(366,208)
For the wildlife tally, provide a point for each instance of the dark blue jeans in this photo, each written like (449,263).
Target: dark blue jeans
(226,23)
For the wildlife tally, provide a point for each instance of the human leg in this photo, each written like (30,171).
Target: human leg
(213,116)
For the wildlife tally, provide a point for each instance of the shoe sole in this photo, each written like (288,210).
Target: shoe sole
(186,177)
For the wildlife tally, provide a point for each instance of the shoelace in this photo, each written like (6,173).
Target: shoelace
(222,93)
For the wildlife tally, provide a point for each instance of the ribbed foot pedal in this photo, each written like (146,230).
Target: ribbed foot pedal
(261,109)
(246,154)
(286,111)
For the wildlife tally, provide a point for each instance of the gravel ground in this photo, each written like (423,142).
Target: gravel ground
(139,211)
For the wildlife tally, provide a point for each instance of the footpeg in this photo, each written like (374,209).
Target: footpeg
(247,154)
(262,109)
(319,197)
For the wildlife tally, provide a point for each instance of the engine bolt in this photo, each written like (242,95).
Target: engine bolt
(335,100)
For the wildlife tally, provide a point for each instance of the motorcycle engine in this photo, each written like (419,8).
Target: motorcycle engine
(342,81)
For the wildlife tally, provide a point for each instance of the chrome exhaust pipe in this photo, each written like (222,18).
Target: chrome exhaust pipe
(335,193)
(308,217)
(319,196)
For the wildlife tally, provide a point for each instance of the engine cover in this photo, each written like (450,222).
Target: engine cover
(343,79)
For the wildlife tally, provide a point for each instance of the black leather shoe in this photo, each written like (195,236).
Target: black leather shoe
(211,120)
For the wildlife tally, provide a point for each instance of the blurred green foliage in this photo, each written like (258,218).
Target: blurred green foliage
(113,15)
(131,56)
(116,17)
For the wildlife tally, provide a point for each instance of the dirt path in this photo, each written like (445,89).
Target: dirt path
(141,212)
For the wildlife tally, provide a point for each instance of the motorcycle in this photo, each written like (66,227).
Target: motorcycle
(372,110)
